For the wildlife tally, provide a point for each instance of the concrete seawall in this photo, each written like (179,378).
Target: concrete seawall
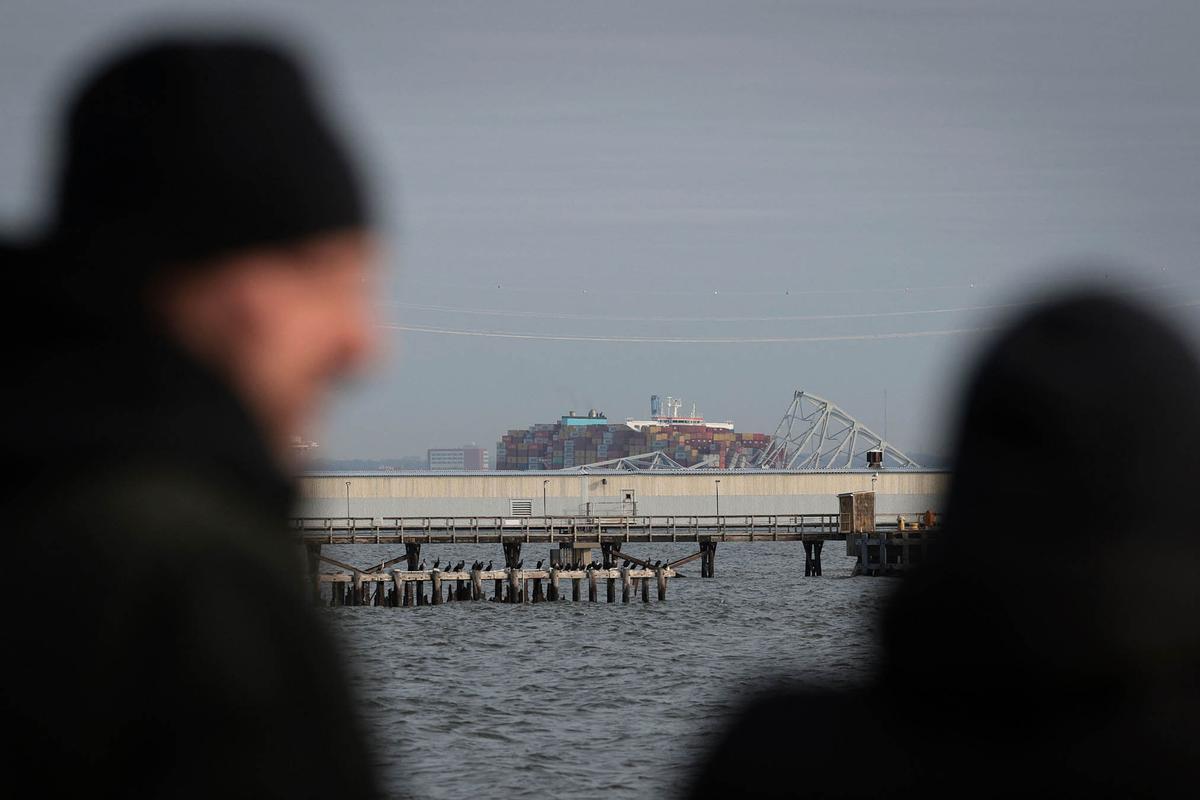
(605,493)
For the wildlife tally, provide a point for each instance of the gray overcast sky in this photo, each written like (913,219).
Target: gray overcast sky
(650,169)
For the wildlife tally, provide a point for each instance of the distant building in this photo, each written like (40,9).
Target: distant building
(469,458)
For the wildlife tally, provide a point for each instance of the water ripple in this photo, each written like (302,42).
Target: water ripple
(468,698)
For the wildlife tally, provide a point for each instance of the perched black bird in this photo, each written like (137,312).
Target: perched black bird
(657,564)
(489,566)
(520,563)
(625,564)
(436,563)
(539,565)
(422,564)
(458,567)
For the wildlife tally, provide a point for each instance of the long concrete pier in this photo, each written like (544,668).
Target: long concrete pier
(564,530)
(576,536)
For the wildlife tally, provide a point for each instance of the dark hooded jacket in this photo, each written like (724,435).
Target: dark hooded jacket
(159,639)
(1053,646)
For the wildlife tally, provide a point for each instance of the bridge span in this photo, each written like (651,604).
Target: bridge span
(575,536)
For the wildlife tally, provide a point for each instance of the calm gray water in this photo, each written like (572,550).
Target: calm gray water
(528,701)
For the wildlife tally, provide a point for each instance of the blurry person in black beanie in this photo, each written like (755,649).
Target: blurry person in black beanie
(202,283)
(1049,646)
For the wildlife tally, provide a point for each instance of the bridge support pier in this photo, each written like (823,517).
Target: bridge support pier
(812,558)
(708,558)
(570,553)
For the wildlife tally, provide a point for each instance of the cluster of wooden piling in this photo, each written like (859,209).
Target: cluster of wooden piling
(406,588)
(889,552)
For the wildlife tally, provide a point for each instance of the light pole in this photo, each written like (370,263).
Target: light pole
(544,484)
(347,502)
(717,488)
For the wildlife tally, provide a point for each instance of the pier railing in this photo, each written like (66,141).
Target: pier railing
(490,529)
(682,528)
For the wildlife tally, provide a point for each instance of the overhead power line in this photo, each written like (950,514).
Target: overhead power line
(500,312)
(854,337)
(552,315)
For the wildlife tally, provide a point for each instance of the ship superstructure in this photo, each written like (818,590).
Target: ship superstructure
(665,414)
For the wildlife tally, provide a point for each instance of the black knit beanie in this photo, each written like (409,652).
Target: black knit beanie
(187,148)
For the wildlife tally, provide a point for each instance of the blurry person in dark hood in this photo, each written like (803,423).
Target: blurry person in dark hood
(1053,646)
(202,283)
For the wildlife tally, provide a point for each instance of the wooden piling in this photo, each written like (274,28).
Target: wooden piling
(817,545)
(476,584)
(808,557)
(645,590)
(625,585)
(412,552)
(553,592)
(357,599)
(403,590)
(435,578)
(313,553)
(514,585)
(708,558)
(591,575)
(662,583)
(499,597)
(339,594)
(612,590)
(420,593)
(575,589)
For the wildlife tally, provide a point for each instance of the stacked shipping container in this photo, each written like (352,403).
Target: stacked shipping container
(560,445)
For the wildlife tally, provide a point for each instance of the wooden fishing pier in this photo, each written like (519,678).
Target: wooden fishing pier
(886,547)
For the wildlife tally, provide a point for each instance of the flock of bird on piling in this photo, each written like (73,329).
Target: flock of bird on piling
(510,583)
(579,566)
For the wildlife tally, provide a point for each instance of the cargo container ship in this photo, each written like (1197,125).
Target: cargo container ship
(580,439)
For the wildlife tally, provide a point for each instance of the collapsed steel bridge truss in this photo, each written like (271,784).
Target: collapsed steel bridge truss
(815,434)
(654,460)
